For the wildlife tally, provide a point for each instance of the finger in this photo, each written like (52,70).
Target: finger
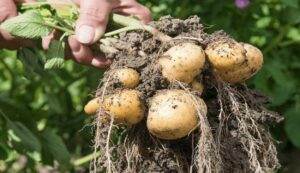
(93,17)
(84,55)
(23,1)
(9,42)
(134,9)
(7,10)
(47,40)
(77,2)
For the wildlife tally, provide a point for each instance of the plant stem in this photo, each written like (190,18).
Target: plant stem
(29,5)
(130,23)
(68,31)
(125,29)
(86,159)
(134,24)
(125,20)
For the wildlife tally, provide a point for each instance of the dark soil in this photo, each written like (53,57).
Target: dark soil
(236,119)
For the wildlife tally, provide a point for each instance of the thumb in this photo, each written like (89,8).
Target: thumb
(93,17)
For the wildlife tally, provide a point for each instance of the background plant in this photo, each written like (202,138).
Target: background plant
(41,118)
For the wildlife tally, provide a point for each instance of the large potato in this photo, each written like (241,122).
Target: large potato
(226,54)
(252,66)
(182,62)
(125,106)
(128,77)
(172,114)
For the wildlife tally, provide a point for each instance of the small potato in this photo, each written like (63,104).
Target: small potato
(247,70)
(226,54)
(128,77)
(125,106)
(172,114)
(92,106)
(197,86)
(182,62)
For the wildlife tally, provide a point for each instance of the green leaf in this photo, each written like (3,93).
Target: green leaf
(31,61)
(55,55)
(55,145)
(294,34)
(292,125)
(28,25)
(54,63)
(4,152)
(20,137)
(263,22)
(291,3)
(27,139)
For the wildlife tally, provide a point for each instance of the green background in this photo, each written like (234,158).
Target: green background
(42,126)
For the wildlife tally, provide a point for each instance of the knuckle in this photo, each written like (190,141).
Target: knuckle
(94,14)
(4,13)
(146,12)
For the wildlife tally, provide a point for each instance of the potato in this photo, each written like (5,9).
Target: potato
(125,106)
(226,54)
(252,66)
(172,114)
(92,106)
(128,77)
(254,56)
(197,86)
(182,62)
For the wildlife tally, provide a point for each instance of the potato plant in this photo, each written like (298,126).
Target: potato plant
(176,93)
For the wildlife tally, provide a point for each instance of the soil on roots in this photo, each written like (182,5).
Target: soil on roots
(233,137)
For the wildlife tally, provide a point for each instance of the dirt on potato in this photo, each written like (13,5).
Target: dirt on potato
(233,137)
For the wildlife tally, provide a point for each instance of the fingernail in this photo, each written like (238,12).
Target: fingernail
(100,62)
(85,34)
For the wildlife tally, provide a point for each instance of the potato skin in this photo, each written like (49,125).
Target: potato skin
(172,114)
(126,106)
(247,70)
(128,77)
(92,106)
(197,86)
(182,62)
(226,54)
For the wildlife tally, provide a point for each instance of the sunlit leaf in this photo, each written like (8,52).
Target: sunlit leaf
(28,25)
(55,55)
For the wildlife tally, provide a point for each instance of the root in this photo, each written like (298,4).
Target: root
(253,136)
(107,148)
(206,157)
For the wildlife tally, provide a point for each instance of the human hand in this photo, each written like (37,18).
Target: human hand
(8,10)
(91,25)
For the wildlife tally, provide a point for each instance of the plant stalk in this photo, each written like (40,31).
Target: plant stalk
(86,159)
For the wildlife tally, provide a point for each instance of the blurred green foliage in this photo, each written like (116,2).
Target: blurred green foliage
(41,111)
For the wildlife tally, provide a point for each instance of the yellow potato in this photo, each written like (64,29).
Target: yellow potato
(226,54)
(128,77)
(254,56)
(182,62)
(92,106)
(172,114)
(197,86)
(247,70)
(125,106)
